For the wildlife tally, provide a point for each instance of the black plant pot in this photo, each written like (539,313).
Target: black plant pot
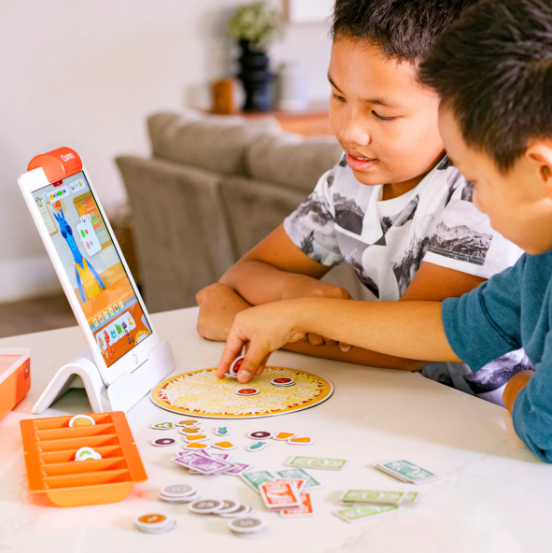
(255,77)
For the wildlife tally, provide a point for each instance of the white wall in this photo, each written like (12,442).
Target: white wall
(85,74)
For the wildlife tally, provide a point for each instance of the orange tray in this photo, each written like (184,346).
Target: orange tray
(50,446)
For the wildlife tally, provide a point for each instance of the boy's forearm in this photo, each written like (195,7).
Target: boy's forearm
(356,355)
(410,330)
(256,282)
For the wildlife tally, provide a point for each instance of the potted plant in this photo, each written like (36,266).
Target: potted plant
(255,25)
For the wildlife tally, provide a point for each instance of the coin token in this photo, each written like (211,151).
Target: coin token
(167,528)
(155,523)
(206,506)
(228,505)
(247,525)
(235,366)
(184,499)
(283,382)
(178,490)
(254,535)
(241,511)
(152,521)
(81,420)
(247,391)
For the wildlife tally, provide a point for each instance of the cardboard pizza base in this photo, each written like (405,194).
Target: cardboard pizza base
(201,394)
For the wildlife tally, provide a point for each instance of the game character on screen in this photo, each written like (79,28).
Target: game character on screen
(493,73)
(89,281)
(394,208)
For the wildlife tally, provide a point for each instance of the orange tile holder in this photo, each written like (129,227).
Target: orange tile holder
(15,377)
(50,446)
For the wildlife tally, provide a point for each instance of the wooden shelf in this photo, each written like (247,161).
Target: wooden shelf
(313,121)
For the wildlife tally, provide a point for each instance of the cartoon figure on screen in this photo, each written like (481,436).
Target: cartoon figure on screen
(89,282)
(110,350)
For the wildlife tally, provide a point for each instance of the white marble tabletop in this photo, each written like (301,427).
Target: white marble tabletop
(493,496)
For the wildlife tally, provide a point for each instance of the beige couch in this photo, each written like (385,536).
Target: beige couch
(212,189)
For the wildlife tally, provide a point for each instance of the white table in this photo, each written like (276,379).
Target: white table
(494,495)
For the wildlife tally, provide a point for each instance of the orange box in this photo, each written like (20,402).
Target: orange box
(50,446)
(15,377)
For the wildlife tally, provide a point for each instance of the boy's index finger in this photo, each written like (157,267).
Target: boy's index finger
(232,350)
(255,357)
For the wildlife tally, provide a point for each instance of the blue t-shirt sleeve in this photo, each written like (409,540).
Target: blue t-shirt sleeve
(484,324)
(532,413)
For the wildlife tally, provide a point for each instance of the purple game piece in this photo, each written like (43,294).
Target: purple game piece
(202,463)
(237,469)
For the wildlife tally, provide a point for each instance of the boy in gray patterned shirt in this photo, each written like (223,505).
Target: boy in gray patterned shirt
(393,208)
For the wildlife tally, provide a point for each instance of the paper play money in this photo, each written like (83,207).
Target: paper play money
(202,464)
(306,509)
(407,471)
(316,463)
(280,494)
(255,479)
(300,474)
(409,498)
(357,514)
(369,496)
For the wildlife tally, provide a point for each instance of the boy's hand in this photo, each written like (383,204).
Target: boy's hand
(264,329)
(218,305)
(303,286)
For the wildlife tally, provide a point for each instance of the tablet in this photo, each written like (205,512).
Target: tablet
(89,262)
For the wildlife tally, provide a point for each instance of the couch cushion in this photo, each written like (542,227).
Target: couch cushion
(255,208)
(216,143)
(291,160)
(180,229)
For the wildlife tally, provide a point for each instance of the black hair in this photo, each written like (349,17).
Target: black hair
(403,29)
(493,69)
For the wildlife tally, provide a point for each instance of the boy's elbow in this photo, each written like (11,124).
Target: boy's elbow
(543,454)
(547,456)
(412,365)
(532,421)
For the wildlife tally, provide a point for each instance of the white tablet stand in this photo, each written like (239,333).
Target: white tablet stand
(121,395)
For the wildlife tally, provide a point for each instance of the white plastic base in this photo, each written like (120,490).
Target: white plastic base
(121,395)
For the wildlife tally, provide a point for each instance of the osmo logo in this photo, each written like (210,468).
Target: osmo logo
(67,157)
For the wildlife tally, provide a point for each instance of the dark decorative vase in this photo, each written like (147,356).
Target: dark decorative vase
(255,77)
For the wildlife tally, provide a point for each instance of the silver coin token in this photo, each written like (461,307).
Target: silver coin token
(247,525)
(205,506)
(228,505)
(253,536)
(243,511)
(186,499)
(178,490)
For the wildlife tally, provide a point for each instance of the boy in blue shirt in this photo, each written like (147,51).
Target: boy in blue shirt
(493,73)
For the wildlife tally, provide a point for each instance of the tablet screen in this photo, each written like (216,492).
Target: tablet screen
(93,266)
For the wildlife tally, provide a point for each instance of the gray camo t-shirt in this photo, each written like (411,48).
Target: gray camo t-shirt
(386,242)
